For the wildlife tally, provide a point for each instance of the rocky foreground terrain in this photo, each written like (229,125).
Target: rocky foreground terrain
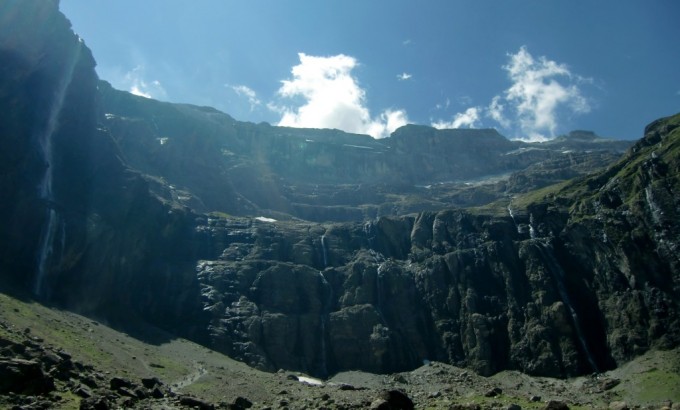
(51,358)
(452,268)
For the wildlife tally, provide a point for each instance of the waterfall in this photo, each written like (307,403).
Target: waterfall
(378,286)
(370,235)
(657,213)
(557,274)
(324,250)
(324,352)
(512,216)
(325,310)
(46,251)
(532,231)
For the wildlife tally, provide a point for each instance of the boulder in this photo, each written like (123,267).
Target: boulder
(24,377)
(194,402)
(393,400)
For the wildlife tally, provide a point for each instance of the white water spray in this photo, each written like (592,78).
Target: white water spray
(325,309)
(370,235)
(378,283)
(532,231)
(46,250)
(557,273)
(657,213)
(45,187)
(324,250)
(512,216)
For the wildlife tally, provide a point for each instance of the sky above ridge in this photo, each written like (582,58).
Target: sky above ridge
(531,69)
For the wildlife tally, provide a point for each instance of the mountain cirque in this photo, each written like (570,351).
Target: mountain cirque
(322,252)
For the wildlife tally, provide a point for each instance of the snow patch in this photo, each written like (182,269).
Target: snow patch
(310,380)
(265,219)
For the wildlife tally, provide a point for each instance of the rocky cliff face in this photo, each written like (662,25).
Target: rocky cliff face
(48,75)
(215,163)
(133,209)
(78,225)
(574,279)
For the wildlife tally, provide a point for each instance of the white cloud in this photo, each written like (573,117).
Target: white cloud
(136,90)
(542,91)
(467,119)
(332,98)
(388,122)
(249,93)
(496,111)
(136,84)
(404,76)
(537,95)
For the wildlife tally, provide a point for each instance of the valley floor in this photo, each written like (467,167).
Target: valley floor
(51,358)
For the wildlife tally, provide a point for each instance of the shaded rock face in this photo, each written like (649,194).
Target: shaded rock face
(574,281)
(571,282)
(78,226)
(460,289)
(41,56)
(103,215)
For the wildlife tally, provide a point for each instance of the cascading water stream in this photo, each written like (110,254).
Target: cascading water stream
(512,216)
(325,310)
(532,231)
(656,212)
(46,250)
(370,235)
(557,273)
(378,283)
(324,250)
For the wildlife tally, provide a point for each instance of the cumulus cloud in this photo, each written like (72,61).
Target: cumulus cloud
(136,84)
(404,76)
(541,93)
(496,111)
(537,95)
(388,121)
(247,92)
(467,119)
(332,98)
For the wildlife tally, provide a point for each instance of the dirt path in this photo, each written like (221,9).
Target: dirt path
(191,378)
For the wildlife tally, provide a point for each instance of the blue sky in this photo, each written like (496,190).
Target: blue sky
(532,69)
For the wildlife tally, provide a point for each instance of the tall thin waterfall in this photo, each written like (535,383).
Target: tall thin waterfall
(325,309)
(324,250)
(532,231)
(512,216)
(656,212)
(45,140)
(378,284)
(370,234)
(557,273)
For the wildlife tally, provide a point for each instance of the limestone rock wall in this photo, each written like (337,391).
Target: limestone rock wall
(568,280)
